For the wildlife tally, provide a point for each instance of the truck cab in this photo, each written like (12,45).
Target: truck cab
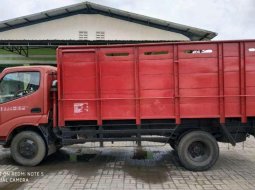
(25,104)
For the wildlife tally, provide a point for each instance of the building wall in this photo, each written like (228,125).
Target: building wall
(68,29)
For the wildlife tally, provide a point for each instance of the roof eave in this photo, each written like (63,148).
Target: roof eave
(91,8)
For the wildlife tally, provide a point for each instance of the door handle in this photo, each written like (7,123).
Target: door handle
(36,110)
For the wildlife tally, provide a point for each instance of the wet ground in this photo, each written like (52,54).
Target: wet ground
(83,167)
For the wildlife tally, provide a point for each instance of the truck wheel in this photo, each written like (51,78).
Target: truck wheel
(28,148)
(198,151)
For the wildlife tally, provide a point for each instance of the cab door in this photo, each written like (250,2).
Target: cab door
(21,99)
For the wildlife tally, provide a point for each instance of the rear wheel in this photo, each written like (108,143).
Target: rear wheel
(198,151)
(28,148)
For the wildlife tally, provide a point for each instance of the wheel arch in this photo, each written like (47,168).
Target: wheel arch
(182,132)
(22,128)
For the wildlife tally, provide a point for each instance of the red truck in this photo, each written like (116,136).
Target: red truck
(190,95)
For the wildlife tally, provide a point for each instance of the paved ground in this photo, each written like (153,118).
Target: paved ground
(122,168)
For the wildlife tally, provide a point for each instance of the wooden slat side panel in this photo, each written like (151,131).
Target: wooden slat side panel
(199,81)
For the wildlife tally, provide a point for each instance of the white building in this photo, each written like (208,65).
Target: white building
(89,21)
(86,23)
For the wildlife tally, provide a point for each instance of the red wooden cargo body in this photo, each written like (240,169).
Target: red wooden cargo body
(157,81)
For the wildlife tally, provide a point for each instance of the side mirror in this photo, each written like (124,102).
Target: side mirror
(54,86)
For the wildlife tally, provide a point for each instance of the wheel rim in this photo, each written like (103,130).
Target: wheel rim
(27,148)
(198,151)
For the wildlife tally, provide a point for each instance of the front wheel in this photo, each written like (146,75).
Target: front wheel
(28,148)
(198,151)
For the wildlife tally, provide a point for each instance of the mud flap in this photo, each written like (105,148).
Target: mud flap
(51,149)
(228,134)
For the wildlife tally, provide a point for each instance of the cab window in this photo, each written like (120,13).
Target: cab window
(18,84)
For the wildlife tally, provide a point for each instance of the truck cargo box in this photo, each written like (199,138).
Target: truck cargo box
(157,81)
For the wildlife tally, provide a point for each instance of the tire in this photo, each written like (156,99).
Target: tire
(28,148)
(198,151)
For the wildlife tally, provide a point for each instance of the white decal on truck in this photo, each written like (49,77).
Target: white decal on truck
(13,108)
(80,107)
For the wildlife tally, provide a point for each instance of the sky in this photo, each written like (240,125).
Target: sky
(231,19)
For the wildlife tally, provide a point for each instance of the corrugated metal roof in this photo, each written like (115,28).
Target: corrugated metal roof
(92,8)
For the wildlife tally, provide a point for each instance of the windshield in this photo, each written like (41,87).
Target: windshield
(18,84)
